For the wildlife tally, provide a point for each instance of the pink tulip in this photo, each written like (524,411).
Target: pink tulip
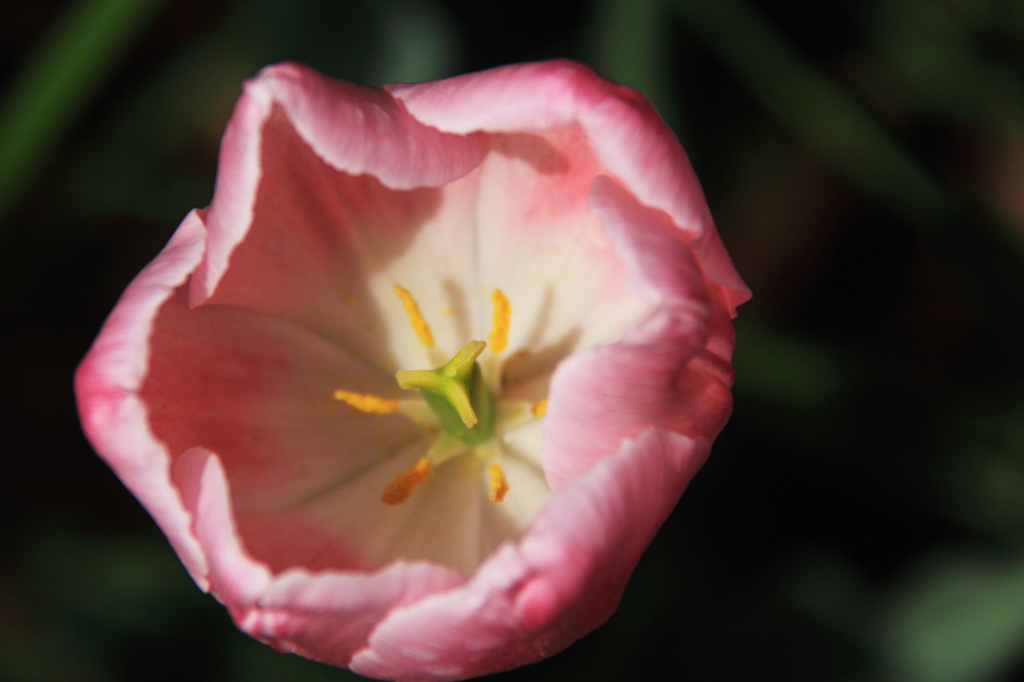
(244,386)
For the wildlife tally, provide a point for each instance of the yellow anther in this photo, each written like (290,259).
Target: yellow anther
(419,325)
(369,404)
(539,408)
(399,490)
(499,486)
(500,321)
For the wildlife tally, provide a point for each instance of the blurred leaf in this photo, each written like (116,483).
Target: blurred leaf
(251,661)
(787,369)
(984,483)
(155,156)
(929,51)
(943,56)
(58,81)
(828,587)
(630,45)
(130,585)
(959,621)
(816,111)
(85,607)
(419,44)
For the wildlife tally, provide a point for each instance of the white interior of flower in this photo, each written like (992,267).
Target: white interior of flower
(509,227)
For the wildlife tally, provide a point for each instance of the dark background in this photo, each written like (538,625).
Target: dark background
(861,516)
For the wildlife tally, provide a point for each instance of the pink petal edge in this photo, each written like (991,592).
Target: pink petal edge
(325,615)
(561,580)
(107,385)
(624,130)
(354,128)
(599,397)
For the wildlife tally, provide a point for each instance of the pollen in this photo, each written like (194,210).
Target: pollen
(419,325)
(539,408)
(501,319)
(369,404)
(399,490)
(499,486)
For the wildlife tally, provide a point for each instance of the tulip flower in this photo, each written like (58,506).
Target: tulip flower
(415,391)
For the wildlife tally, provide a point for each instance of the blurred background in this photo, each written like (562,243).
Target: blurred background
(862,515)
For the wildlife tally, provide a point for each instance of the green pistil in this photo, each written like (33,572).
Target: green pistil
(457,394)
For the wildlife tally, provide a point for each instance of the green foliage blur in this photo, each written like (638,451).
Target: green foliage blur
(861,517)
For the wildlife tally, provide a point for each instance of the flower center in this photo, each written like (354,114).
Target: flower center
(457,394)
(457,400)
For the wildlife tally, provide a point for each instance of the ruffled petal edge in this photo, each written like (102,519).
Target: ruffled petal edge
(561,580)
(353,128)
(107,385)
(625,131)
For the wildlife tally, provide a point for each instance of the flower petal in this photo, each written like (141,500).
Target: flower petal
(353,129)
(625,131)
(672,370)
(313,238)
(563,579)
(259,391)
(539,242)
(326,616)
(107,386)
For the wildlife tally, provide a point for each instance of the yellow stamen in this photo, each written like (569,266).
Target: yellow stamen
(399,490)
(369,404)
(419,325)
(499,486)
(539,408)
(500,321)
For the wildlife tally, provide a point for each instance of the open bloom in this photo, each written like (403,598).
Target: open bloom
(529,250)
